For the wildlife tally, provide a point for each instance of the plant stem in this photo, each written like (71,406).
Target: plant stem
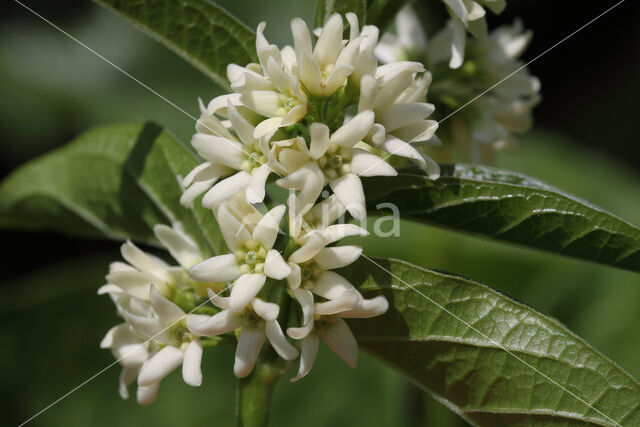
(253,398)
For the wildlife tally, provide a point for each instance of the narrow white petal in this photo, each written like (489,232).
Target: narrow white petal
(217,300)
(345,302)
(220,323)
(399,115)
(204,172)
(308,352)
(329,43)
(310,73)
(337,256)
(127,376)
(349,54)
(458,8)
(305,299)
(368,308)
(364,163)
(339,338)
(160,365)
(191,372)
(143,261)
(267,103)
(319,140)
(278,76)
(275,266)
(339,231)
(181,246)
(266,230)
(255,190)
(354,27)
(131,356)
(245,289)
(167,311)
(267,310)
(331,285)
(225,189)
(349,190)
(221,268)
(354,130)
(309,249)
(422,130)
(242,127)
(118,336)
(267,126)
(233,231)
(326,212)
(279,341)
(368,90)
(147,395)
(457,44)
(295,277)
(249,345)
(194,190)
(294,115)
(145,326)
(337,79)
(301,36)
(219,150)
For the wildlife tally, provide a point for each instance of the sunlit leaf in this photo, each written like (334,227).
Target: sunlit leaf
(114,181)
(198,30)
(511,207)
(492,360)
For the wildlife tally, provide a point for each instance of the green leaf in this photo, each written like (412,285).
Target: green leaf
(511,207)
(325,8)
(381,13)
(116,181)
(492,360)
(198,30)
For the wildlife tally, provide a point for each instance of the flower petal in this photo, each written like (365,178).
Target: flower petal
(295,277)
(279,341)
(220,323)
(167,311)
(245,289)
(240,125)
(267,126)
(275,266)
(336,232)
(249,345)
(309,351)
(339,338)
(191,371)
(337,256)
(221,268)
(312,245)
(352,132)
(266,230)
(160,365)
(364,163)
(329,43)
(368,308)
(225,189)
(267,310)
(331,285)
(345,302)
(147,395)
(219,150)
(319,140)
(348,188)
(143,261)
(233,231)
(255,189)
(181,246)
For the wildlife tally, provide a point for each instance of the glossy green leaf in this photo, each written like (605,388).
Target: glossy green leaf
(511,207)
(198,30)
(116,181)
(494,361)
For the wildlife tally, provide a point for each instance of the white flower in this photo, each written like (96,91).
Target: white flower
(468,15)
(336,161)
(151,345)
(144,270)
(325,321)
(225,153)
(250,238)
(258,321)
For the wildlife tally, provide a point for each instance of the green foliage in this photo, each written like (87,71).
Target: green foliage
(198,30)
(492,360)
(115,181)
(370,12)
(510,207)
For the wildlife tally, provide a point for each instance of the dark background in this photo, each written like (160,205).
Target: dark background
(585,141)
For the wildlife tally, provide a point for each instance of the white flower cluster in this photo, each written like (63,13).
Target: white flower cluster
(489,62)
(315,115)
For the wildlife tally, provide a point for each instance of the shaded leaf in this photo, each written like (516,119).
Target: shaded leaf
(198,30)
(492,360)
(382,12)
(511,207)
(116,181)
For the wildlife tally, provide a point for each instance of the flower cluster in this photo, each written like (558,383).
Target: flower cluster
(489,66)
